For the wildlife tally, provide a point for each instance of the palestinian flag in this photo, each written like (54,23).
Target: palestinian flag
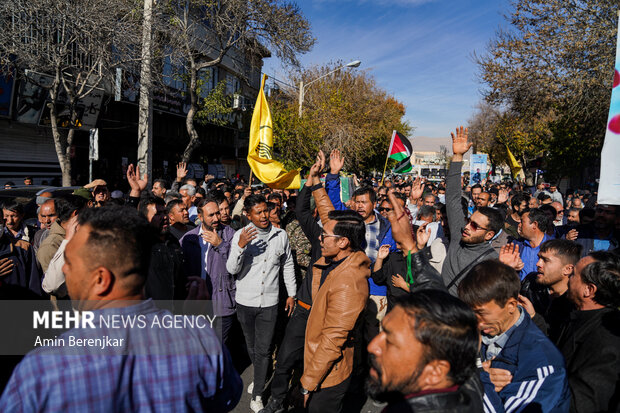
(401,150)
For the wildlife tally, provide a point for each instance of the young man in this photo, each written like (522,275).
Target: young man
(14,227)
(426,356)
(378,232)
(206,249)
(179,218)
(590,341)
(174,369)
(469,240)
(258,253)
(521,366)
(518,203)
(339,295)
(544,293)
(533,230)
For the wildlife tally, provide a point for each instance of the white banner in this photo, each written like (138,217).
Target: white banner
(609,184)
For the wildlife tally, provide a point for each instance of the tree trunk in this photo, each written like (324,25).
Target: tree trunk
(63,149)
(194,139)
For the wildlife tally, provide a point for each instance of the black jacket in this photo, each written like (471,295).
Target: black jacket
(166,279)
(312,230)
(551,312)
(467,399)
(424,275)
(590,343)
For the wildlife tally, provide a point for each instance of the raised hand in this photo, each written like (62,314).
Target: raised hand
(401,227)
(314,175)
(181,171)
(460,144)
(417,189)
(423,235)
(247,235)
(336,162)
(384,251)
(135,182)
(503,196)
(509,255)
(247,191)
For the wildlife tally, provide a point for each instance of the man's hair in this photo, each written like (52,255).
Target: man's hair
(496,221)
(218,196)
(604,273)
(120,240)
(162,182)
(489,281)
(147,200)
(446,327)
(426,210)
(568,251)
(427,194)
(540,217)
(366,190)
(204,201)
(550,211)
(477,186)
(275,195)
(173,203)
(191,189)
(543,197)
(67,204)
(252,201)
(349,224)
(13,206)
(518,198)
(271,206)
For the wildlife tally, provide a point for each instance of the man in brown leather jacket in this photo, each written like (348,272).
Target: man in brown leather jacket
(339,294)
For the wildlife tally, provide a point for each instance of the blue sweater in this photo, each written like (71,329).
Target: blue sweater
(332,186)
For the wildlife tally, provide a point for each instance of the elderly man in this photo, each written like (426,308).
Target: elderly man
(425,357)
(590,341)
(47,216)
(164,369)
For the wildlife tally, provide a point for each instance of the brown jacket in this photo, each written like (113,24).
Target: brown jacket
(336,307)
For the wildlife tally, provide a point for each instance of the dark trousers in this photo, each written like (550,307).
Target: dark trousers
(291,352)
(258,325)
(227,323)
(328,400)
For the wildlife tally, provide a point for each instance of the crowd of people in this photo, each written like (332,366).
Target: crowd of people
(443,297)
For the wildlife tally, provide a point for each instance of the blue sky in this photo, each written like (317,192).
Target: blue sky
(420,51)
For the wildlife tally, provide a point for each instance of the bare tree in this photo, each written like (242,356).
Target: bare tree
(201,33)
(76,45)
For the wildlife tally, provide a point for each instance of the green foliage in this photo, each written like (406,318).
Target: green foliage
(215,106)
(346,111)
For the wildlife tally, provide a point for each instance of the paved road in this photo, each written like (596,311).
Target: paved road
(244,404)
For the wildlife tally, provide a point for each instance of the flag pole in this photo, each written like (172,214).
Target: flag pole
(388,156)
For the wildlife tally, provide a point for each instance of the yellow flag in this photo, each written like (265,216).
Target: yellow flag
(515,166)
(260,150)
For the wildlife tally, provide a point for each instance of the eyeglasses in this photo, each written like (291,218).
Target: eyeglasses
(475,226)
(385,209)
(324,235)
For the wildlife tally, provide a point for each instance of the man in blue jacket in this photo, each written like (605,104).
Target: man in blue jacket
(206,250)
(521,370)
(378,232)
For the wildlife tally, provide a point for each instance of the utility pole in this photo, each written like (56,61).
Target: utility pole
(145,111)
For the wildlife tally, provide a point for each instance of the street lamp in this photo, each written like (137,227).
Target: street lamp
(302,87)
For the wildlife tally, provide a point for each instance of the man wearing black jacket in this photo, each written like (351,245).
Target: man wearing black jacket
(291,351)
(590,341)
